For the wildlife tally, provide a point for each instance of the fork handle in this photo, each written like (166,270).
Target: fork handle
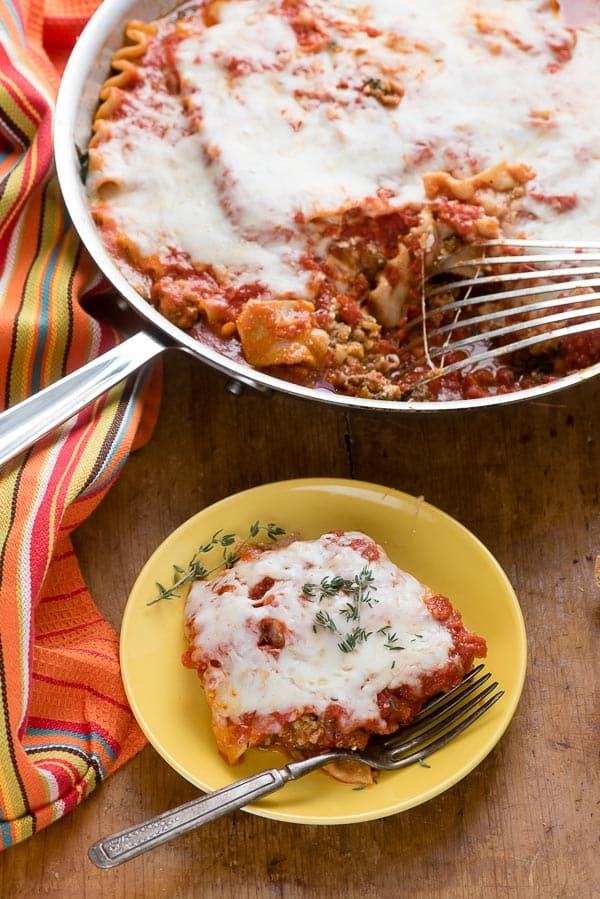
(133,841)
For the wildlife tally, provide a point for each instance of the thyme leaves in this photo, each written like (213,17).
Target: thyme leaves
(358,588)
(391,639)
(231,549)
(324,619)
(352,640)
(359,591)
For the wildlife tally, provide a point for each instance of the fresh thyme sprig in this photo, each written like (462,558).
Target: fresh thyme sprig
(196,570)
(324,619)
(359,590)
(351,641)
(359,587)
(327,587)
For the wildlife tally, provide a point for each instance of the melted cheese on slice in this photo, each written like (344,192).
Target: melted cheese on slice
(311,671)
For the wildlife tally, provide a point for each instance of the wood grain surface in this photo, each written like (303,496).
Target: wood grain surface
(525,479)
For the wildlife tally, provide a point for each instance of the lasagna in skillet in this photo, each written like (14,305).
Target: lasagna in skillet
(319,644)
(278,177)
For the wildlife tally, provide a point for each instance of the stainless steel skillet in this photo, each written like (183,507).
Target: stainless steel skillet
(26,422)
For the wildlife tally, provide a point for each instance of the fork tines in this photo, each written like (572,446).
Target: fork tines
(481,296)
(509,252)
(447,715)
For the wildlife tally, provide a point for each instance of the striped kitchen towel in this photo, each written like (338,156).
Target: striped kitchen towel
(65,721)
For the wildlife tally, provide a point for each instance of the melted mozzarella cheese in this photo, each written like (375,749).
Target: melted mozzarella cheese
(311,671)
(269,135)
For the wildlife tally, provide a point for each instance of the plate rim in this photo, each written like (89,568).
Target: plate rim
(376,490)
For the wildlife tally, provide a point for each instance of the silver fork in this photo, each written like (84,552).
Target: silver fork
(556,275)
(442,719)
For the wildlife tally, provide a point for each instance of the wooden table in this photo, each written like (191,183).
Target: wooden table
(525,479)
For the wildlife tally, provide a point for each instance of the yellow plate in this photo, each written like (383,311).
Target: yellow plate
(167,698)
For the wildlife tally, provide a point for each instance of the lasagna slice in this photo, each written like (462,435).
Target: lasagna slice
(317,644)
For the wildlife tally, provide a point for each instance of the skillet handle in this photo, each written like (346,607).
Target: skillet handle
(25,422)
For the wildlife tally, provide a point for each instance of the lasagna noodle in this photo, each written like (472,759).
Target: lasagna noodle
(125,66)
